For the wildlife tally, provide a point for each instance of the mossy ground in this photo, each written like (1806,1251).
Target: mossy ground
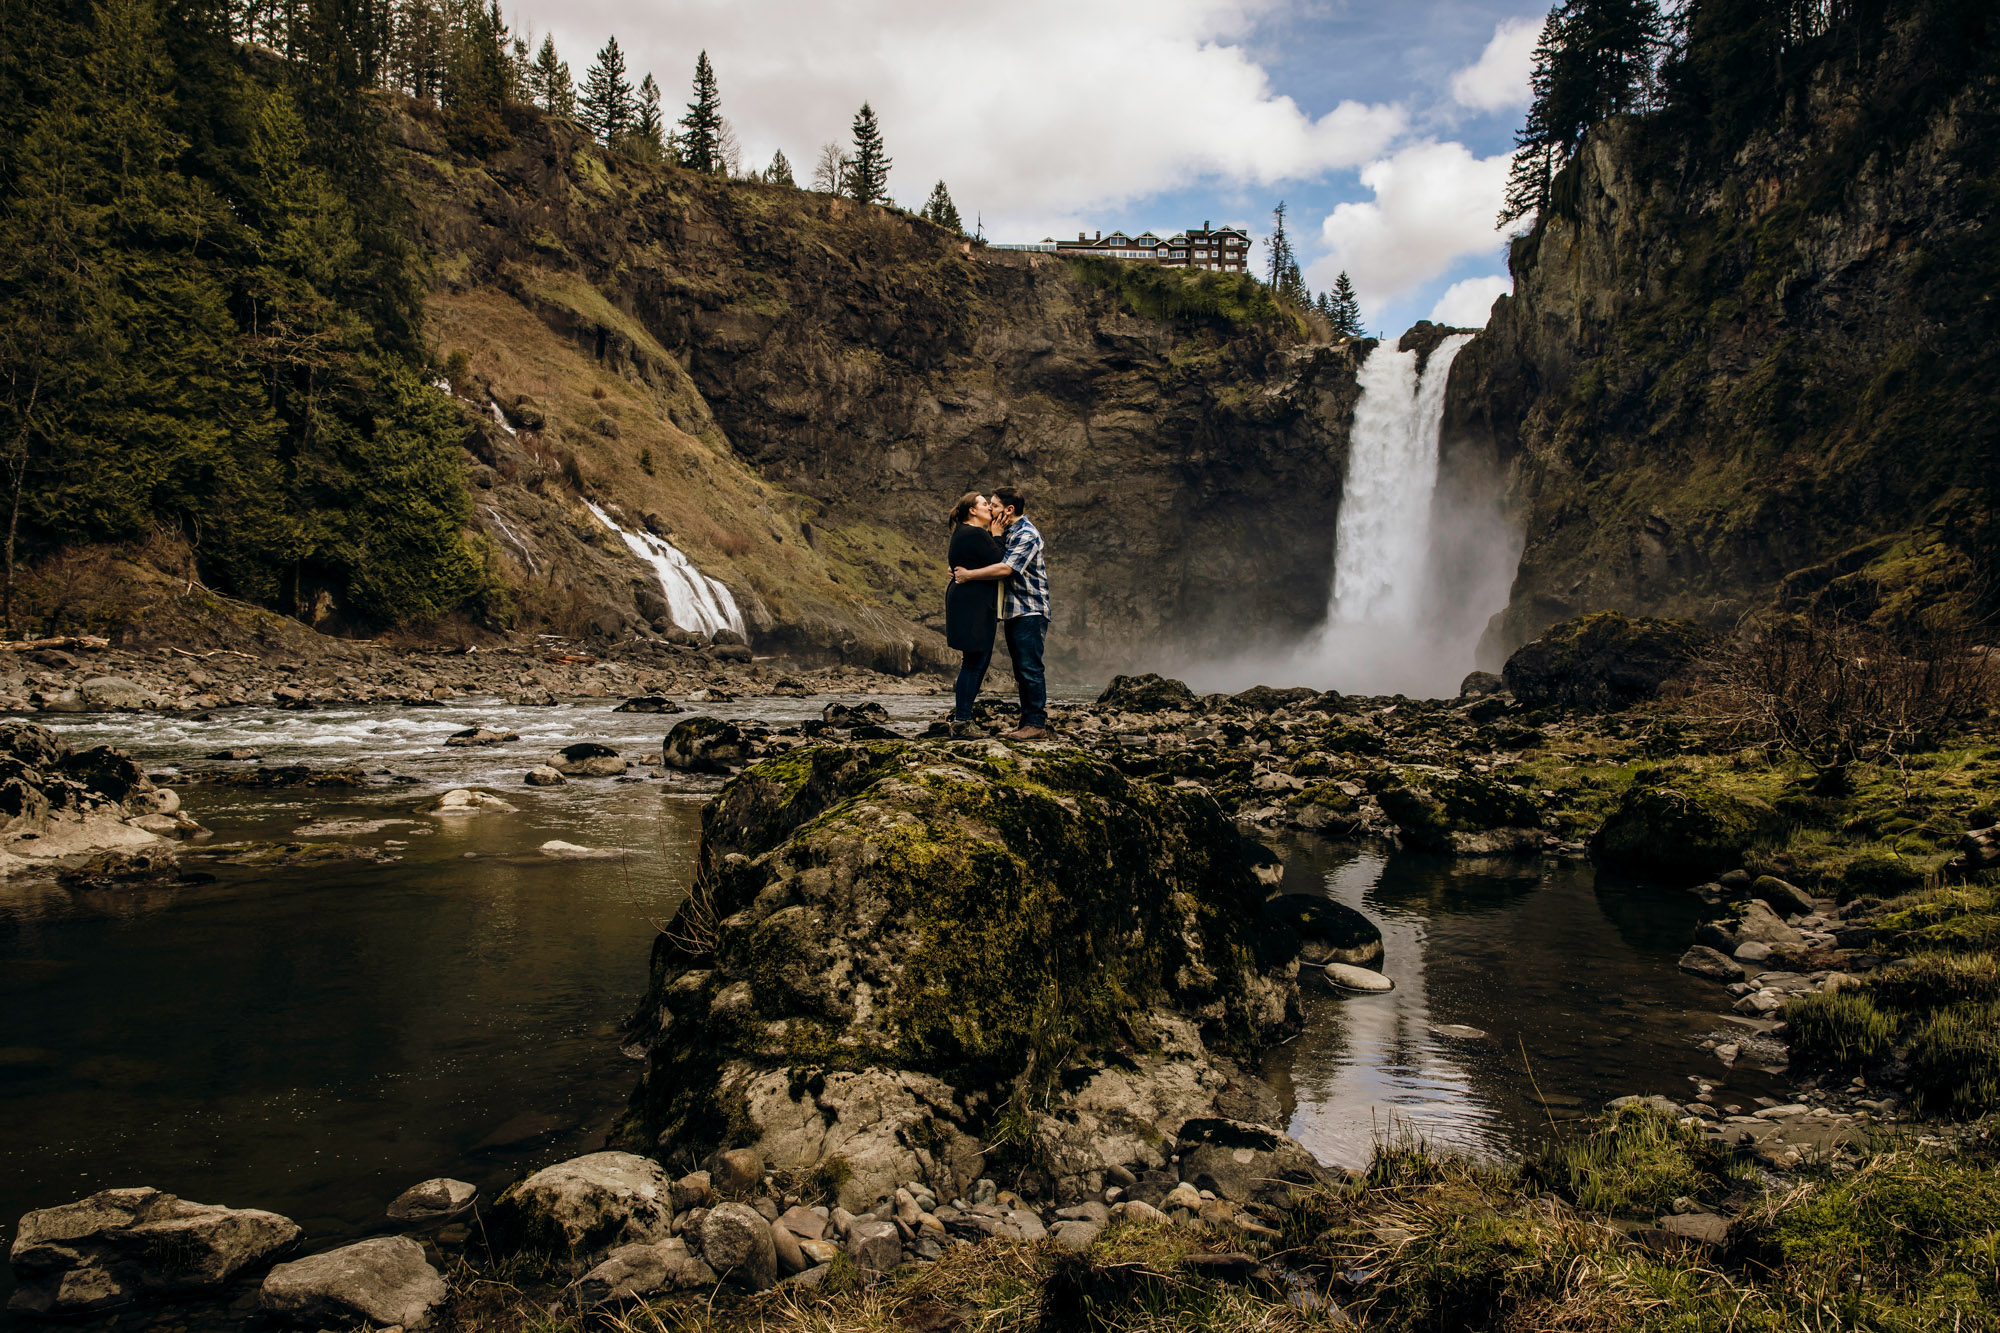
(1427,1241)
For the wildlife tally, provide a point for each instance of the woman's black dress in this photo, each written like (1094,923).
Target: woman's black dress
(971,609)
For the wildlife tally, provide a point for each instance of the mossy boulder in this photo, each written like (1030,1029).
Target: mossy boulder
(1444,811)
(1602,662)
(1148,693)
(886,942)
(1684,831)
(1333,932)
(705,745)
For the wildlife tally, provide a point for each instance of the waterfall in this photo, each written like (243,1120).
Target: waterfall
(694,600)
(1383,538)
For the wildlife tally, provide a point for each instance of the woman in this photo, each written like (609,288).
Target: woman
(971,610)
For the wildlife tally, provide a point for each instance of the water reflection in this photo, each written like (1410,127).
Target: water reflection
(1570,977)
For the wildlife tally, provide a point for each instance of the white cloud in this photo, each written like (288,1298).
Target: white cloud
(1434,204)
(1469,304)
(1034,112)
(1498,80)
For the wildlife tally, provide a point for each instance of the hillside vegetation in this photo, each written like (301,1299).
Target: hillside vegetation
(214,318)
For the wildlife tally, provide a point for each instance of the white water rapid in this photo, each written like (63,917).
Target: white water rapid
(696,601)
(1421,562)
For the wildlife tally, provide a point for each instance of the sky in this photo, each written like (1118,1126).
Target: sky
(1384,126)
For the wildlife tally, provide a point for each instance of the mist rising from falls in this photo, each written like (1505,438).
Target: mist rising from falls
(1421,561)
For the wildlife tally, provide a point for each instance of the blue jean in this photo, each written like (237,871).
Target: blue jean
(971,674)
(1025,635)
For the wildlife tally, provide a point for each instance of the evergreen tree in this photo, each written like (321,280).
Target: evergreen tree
(868,171)
(549,82)
(939,209)
(478,81)
(418,49)
(1594,59)
(1344,308)
(606,102)
(647,139)
(701,127)
(780,171)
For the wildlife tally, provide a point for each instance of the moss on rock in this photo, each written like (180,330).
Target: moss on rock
(966,912)
(1605,661)
(1685,830)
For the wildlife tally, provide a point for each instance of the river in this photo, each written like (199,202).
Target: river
(313,1039)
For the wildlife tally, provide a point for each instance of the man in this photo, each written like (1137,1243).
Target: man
(1027,611)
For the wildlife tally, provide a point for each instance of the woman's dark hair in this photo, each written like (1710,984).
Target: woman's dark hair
(962,511)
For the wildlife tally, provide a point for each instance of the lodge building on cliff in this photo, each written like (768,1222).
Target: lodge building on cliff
(1223,249)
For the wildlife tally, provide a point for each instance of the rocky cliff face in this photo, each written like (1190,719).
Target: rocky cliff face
(1775,379)
(794,390)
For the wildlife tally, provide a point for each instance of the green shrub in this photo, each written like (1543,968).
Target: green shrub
(1955,1060)
(1837,1029)
(1220,299)
(1958,919)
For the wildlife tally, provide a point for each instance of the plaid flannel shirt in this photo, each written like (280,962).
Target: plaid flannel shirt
(1028,590)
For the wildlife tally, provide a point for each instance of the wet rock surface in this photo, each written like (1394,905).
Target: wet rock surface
(123,1246)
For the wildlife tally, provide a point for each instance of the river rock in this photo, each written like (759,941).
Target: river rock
(125,1245)
(691,1190)
(736,1242)
(1683,832)
(588,759)
(840,883)
(588,1204)
(433,1200)
(1246,1163)
(386,1280)
(1333,931)
(472,736)
(1347,977)
(1148,693)
(1784,899)
(791,1259)
(705,745)
(737,1171)
(1703,961)
(570,851)
(1706,1229)
(855,715)
(803,1223)
(649,703)
(542,775)
(465,801)
(114,694)
(1603,662)
(633,1271)
(875,1244)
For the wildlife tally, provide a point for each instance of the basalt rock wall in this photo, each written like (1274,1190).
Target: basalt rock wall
(1772,380)
(795,389)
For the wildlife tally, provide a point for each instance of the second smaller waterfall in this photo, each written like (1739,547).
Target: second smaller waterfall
(696,601)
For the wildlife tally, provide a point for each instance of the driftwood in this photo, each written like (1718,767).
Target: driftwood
(213,652)
(88,642)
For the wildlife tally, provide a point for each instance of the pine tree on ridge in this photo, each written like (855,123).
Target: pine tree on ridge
(701,127)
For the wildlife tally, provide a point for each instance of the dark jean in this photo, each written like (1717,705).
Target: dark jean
(1025,635)
(971,674)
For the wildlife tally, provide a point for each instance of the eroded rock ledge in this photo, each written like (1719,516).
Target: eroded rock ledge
(898,961)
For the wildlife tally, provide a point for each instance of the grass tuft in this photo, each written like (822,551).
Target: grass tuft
(1837,1029)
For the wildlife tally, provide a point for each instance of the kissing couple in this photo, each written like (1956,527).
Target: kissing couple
(998,577)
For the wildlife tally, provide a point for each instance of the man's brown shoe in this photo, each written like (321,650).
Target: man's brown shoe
(1025,734)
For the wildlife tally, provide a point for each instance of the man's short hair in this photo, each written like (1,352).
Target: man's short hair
(1011,499)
